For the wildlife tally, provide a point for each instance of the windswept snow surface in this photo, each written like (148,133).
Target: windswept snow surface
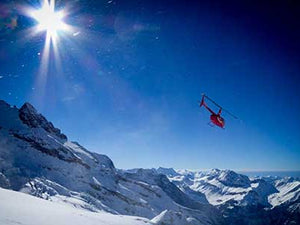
(23,209)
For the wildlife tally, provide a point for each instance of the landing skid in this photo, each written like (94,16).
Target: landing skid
(212,125)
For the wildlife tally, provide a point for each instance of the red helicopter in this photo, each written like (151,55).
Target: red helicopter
(215,118)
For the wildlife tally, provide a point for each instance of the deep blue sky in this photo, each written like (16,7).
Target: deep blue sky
(132,72)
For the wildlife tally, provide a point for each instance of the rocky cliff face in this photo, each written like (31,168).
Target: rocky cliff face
(33,119)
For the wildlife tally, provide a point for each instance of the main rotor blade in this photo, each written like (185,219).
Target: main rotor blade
(220,106)
(235,117)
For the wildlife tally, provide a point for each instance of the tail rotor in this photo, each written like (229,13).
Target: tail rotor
(202,100)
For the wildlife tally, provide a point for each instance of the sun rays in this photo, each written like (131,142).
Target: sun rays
(49,25)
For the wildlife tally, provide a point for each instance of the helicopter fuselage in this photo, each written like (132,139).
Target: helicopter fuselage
(217,120)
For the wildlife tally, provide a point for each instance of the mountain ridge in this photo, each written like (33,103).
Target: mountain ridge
(38,159)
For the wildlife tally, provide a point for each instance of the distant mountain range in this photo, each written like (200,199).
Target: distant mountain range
(36,158)
(279,173)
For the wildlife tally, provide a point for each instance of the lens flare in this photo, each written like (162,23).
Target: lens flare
(49,20)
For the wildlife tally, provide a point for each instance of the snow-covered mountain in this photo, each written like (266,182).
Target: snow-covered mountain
(243,200)
(38,159)
(220,186)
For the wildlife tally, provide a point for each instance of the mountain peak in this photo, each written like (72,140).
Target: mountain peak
(27,106)
(30,116)
(167,171)
(231,178)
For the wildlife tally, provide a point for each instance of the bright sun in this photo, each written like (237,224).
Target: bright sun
(49,20)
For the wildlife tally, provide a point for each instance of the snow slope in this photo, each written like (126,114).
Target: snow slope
(22,209)
(174,218)
(289,192)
